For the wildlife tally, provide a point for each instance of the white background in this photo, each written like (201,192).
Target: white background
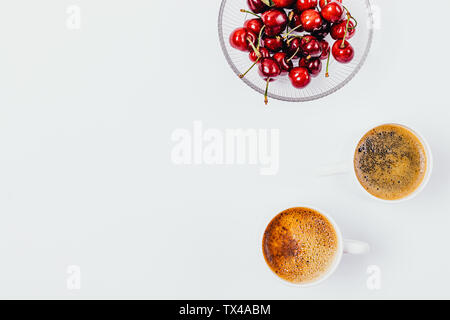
(86,177)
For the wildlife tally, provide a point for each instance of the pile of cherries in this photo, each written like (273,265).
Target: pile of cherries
(286,31)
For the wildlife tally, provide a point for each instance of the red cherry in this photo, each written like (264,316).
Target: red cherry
(257,6)
(322,31)
(283,3)
(275,18)
(269,68)
(338,30)
(311,47)
(274,44)
(254,25)
(325,49)
(323,3)
(283,61)
(311,20)
(300,77)
(262,51)
(303,5)
(242,39)
(272,32)
(293,48)
(313,65)
(343,51)
(333,12)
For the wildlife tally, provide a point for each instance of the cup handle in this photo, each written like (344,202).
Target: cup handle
(355,247)
(334,169)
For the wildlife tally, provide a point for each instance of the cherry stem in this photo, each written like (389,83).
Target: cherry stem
(249,12)
(258,54)
(296,51)
(292,30)
(260,36)
(266,100)
(245,73)
(346,30)
(328,63)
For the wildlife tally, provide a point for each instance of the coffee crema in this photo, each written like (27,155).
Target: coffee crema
(390,162)
(300,245)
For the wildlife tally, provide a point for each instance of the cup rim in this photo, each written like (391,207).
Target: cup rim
(429,167)
(337,259)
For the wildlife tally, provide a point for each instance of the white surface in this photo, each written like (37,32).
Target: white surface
(86,177)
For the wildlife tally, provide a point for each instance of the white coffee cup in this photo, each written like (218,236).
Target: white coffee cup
(345,246)
(346,167)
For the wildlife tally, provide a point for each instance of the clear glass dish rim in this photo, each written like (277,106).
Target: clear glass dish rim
(304,99)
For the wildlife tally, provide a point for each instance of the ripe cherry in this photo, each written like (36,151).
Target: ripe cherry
(322,31)
(303,5)
(333,12)
(254,25)
(242,39)
(263,53)
(284,62)
(311,47)
(323,3)
(275,18)
(273,44)
(311,20)
(338,30)
(293,48)
(300,77)
(257,6)
(325,49)
(272,32)
(283,3)
(269,69)
(343,51)
(314,65)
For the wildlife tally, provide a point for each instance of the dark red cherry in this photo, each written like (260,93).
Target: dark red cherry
(272,32)
(254,25)
(275,18)
(264,53)
(303,5)
(283,3)
(269,68)
(325,49)
(311,47)
(311,20)
(323,3)
(242,39)
(293,48)
(322,31)
(338,30)
(283,61)
(295,21)
(314,65)
(299,77)
(333,12)
(257,6)
(273,44)
(343,51)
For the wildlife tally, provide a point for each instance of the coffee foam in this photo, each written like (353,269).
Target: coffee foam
(390,162)
(300,245)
